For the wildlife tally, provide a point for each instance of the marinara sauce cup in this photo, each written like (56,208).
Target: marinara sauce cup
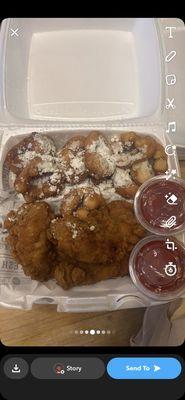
(159,205)
(157,267)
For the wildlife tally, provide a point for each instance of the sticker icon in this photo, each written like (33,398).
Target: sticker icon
(16,369)
(170,269)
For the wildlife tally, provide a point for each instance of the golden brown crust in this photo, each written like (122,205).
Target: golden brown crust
(146,142)
(83,198)
(28,241)
(141,172)
(160,164)
(69,273)
(103,237)
(125,151)
(128,191)
(71,160)
(99,156)
(28,148)
(51,180)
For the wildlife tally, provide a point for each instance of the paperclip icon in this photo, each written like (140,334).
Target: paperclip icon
(171,221)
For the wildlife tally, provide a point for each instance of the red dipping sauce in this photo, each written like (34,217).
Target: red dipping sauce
(160,205)
(157,267)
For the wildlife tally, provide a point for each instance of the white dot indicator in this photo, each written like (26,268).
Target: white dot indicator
(108,332)
(98,332)
(86,332)
(81,332)
(92,332)
(103,332)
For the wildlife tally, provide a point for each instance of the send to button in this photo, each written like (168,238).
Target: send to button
(144,368)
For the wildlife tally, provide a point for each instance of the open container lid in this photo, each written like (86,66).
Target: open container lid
(79,69)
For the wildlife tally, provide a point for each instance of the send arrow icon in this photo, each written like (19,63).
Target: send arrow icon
(156,368)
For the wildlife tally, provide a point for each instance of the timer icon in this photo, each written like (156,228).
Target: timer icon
(170,269)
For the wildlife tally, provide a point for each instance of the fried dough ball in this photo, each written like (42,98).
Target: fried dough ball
(39,179)
(99,156)
(147,143)
(71,160)
(160,159)
(141,172)
(124,184)
(71,273)
(27,149)
(80,201)
(124,150)
(128,139)
(28,241)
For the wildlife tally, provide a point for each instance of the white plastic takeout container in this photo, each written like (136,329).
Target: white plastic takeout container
(63,76)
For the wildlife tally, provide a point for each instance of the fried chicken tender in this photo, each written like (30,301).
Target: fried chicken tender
(71,273)
(28,241)
(106,236)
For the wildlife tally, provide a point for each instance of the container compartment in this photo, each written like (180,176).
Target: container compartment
(78,69)
(21,291)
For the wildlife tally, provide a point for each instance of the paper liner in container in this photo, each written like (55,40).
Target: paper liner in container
(19,291)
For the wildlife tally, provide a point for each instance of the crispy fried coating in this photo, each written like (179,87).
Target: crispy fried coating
(39,179)
(27,149)
(105,236)
(70,273)
(71,160)
(77,201)
(160,160)
(141,172)
(29,244)
(99,156)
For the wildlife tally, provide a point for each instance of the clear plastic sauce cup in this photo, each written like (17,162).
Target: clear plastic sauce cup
(159,205)
(157,267)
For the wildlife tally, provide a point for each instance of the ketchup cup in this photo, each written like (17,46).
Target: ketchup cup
(159,205)
(157,267)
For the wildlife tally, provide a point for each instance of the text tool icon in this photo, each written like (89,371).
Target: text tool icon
(171,199)
(170,269)
(16,369)
(170,245)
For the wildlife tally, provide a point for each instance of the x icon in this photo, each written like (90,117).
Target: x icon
(14,32)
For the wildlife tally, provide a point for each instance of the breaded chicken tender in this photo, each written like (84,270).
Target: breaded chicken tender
(29,244)
(71,273)
(106,236)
